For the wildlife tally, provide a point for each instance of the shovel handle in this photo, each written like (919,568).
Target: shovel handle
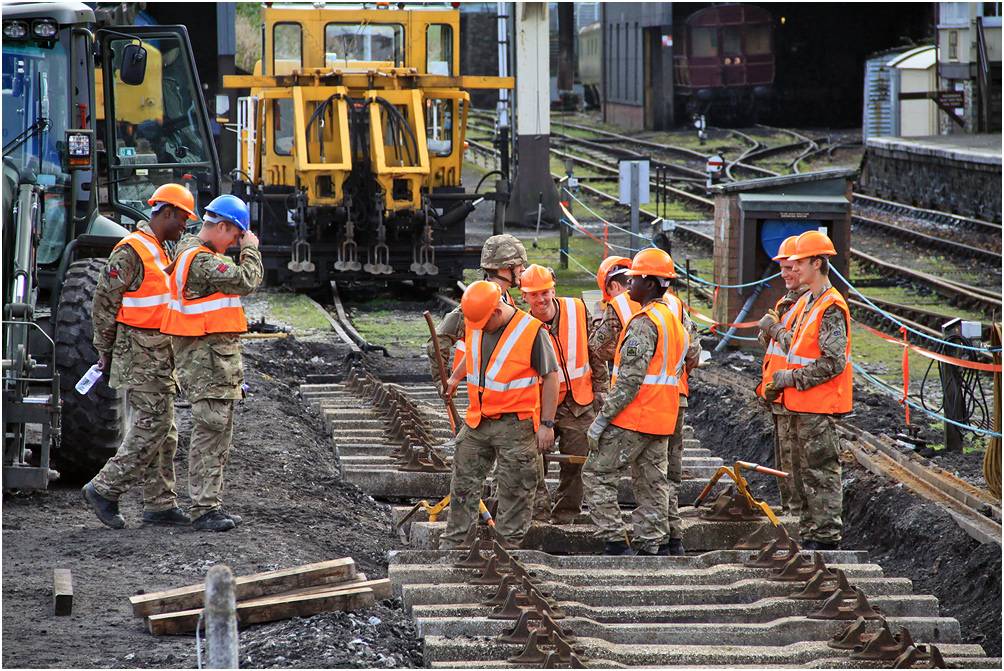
(761,469)
(564,458)
(454,415)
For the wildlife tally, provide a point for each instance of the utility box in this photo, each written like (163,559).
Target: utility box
(753,218)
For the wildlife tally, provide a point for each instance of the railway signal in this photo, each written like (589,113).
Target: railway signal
(715,166)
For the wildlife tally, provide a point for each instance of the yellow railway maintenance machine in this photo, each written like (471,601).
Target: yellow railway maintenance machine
(350,146)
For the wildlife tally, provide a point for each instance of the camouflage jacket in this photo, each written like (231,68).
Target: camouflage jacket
(637,350)
(210,366)
(600,375)
(603,340)
(833,334)
(141,359)
(784,339)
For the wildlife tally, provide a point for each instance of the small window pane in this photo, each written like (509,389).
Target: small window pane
(731,41)
(346,43)
(282,125)
(439,126)
(758,39)
(705,42)
(287,48)
(439,50)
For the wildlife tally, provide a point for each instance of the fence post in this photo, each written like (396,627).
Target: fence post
(221,618)
(563,225)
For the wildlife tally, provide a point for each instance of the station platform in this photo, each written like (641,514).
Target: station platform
(959,173)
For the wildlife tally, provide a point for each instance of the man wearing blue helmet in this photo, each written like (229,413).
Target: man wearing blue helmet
(205,318)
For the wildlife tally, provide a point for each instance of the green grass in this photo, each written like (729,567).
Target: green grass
(388,328)
(297,311)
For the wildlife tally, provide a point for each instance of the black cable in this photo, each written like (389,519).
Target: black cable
(477,189)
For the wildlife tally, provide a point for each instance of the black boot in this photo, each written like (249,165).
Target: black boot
(213,521)
(233,517)
(617,548)
(172,517)
(674,547)
(106,509)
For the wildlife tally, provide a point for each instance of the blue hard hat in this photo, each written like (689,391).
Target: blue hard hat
(231,208)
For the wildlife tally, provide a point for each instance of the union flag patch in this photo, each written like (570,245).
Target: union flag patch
(222,267)
(113,272)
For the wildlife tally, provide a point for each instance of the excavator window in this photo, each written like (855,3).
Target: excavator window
(371,44)
(287,47)
(439,49)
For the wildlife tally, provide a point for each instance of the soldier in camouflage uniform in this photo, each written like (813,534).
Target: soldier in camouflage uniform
(588,384)
(502,260)
(604,339)
(510,416)
(209,365)
(129,302)
(628,432)
(817,385)
(784,431)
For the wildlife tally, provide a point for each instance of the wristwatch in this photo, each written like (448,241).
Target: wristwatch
(548,423)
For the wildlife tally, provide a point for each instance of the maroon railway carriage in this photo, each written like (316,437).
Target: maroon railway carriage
(724,62)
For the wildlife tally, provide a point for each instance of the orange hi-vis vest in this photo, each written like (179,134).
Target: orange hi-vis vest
(833,396)
(676,307)
(625,308)
(656,406)
(572,347)
(776,358)
(145,307)
(460,349)
(510,382)
(216,313)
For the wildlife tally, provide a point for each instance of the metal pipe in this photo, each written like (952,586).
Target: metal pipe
(747,306)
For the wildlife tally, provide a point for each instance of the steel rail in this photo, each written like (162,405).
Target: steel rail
(956,248)
(934,216)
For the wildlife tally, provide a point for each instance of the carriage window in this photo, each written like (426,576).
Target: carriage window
(439,50)
(757,39)
(287,48)
(732,43)
(346,43)
(705,41)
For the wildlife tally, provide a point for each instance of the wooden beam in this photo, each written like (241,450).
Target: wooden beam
(248,587)
(269,609)
(62,591)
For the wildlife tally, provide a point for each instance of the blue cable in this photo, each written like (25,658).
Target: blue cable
(901,324)
(893,392)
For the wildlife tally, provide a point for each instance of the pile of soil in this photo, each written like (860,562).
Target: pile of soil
(905,534)
(282,478)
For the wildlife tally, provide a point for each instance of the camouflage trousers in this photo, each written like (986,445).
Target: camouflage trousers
(816,457)
(674,477)
(784,446)
(570,433)
(513,444)
(146,453)
(212,431)
(645,455)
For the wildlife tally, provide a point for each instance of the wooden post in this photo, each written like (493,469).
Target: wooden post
(498,223)
(221,618)
(62,591)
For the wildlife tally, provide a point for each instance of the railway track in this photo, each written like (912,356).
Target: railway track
(557,602)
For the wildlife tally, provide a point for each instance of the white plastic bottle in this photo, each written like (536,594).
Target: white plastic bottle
(89,379)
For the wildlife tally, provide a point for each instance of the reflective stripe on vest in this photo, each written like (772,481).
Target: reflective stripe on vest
(835,396)
(775,358)
(625,308)
(571,346)
(676,307)
(458,354)
(510,383)
(215,313)
(145,307)
(655,407)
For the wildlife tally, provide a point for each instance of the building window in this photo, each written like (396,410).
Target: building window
(953,45)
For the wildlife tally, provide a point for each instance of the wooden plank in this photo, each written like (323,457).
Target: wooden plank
(381,589)
(248,587)
(62,591)
(269,609)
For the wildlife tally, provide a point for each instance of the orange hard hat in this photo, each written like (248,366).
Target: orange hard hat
(606,266)
(786,249)
(536,278)
(652,261)
(812,243)
(479,302)
(177,195)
